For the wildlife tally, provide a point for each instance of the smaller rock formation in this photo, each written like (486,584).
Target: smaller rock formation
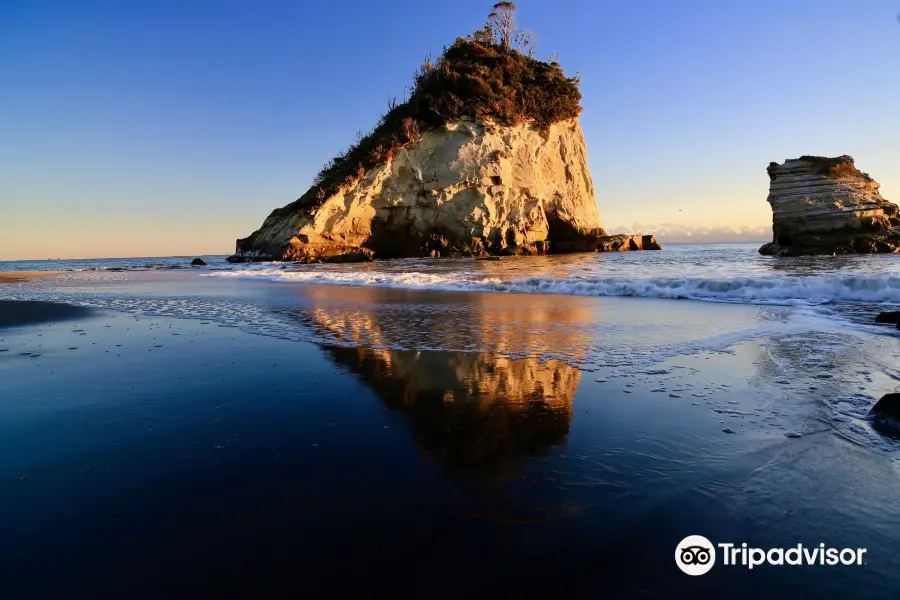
(827,206)
(621,243)
(198,262)
(886,412)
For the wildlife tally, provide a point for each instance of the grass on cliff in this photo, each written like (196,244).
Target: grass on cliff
(475,77)
(836,168)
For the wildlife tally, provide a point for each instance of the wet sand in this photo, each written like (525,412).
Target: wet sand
(15,313)
(151,457)
(22,276)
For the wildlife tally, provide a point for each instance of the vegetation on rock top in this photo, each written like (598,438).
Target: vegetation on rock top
(491,74)
(836,168)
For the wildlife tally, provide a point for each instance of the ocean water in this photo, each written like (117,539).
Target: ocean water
(94,264)
(709,272)
(529,426)
(733,272)
(830,292)
(647,305)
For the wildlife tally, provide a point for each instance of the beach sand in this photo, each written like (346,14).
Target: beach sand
(21,276)
(148,456)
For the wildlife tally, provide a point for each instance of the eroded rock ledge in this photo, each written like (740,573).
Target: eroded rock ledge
(827,206)
(469,188)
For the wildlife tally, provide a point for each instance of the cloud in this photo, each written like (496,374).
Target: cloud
(679,232)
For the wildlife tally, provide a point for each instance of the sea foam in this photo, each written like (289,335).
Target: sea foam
(774,290)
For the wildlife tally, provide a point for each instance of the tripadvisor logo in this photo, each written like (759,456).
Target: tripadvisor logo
(696,555)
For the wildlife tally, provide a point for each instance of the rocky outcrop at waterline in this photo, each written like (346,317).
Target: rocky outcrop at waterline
(827,206)
(886,413)
(888,316)
(623,242)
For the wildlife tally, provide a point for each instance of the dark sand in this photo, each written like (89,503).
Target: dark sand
(29,312)
(152,457)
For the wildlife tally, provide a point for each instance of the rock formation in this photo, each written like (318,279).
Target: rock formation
(889,316)
(825,206)
(886,413)
(485,157)
(469,188)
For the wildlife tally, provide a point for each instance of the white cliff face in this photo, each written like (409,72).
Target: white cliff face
(467,188)
(825,206)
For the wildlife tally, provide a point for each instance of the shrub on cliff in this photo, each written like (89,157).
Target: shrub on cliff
(490,75)
(836,168)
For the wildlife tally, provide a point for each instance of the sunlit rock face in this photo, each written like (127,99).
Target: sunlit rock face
(469,188)
(827,206)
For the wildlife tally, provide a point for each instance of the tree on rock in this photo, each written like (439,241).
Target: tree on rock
(500,29)
(502,23)
(489,75)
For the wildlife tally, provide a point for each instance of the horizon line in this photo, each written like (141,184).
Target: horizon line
(60,259)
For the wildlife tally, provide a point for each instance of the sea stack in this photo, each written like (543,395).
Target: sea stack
(827,206)
(486,157)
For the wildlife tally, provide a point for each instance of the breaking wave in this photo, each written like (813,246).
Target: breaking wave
(774,290)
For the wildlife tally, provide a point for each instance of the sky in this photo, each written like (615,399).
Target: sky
(174,127)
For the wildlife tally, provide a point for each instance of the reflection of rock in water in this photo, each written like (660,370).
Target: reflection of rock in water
(511,324)
(466,409)
(471,410)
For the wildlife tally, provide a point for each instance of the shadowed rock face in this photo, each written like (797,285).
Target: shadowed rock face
(827,206)
(469,188)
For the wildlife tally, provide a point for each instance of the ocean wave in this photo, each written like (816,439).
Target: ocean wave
(774,290)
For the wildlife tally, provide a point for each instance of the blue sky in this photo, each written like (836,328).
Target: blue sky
(149,128)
